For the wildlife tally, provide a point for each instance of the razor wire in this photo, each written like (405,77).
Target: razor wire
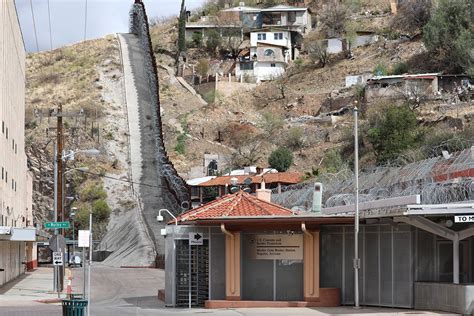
(176,185)
(437,180)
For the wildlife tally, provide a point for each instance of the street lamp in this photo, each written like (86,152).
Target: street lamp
(72,215)
(160,218)
(356,216)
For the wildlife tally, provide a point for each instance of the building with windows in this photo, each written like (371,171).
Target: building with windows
(16,219)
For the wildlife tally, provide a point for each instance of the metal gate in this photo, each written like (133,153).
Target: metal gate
(192,274)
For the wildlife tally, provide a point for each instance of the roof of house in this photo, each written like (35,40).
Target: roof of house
(242,9)
(406,76)
(280,177)
(280,8)
(240,204)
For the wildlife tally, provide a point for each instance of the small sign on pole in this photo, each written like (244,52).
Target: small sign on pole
(83,238)
(57,225)
(195,239)
(464,219)
(57,258)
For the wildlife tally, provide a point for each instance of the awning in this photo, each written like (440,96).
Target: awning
(17,234)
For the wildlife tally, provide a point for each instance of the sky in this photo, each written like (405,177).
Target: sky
(68,17)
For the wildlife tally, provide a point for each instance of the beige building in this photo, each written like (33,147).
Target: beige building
(16,220)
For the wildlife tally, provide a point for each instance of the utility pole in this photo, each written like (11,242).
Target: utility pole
(356,216)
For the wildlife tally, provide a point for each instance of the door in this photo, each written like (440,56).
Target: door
(192,274)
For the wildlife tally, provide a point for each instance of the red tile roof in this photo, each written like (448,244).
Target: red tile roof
(280,177)
(240,204)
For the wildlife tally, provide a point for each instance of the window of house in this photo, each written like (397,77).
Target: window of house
(3,173)
(7,132)
(269,53)
(6,176)
(3,127)
(278,36)
(16,148)
(246,66)
(262,36)
(13,144)
(272,65)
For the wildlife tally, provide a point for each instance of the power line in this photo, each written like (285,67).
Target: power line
(85,23)
(50,34)
(34,25)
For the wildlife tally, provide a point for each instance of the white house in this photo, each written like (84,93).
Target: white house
(270,52)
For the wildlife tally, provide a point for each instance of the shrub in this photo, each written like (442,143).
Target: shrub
(395,131)
(412,15)
(100,211)
(380,70)
(92,191)
(180,147)
(294,138)
(281,159)
(202,67)
(333,161)
(271,123)
(399,68)
(317,51)
(197,39)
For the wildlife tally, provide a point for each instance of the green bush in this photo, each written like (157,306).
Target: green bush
(180,147)
(448,35)
(280,159)
(332,161)
(92,191)
(197,39)
(399,68)
(380,70)
(100,211)
(394,132)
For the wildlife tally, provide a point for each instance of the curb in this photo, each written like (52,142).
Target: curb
(50,301)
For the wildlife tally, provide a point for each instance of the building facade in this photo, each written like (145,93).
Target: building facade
(16,219)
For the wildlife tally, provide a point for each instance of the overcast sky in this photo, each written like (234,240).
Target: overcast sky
(68,16)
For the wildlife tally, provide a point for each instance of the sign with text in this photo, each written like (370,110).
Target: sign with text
(83,238)
(464,219)
(56,225)
(58,258)
(274,247)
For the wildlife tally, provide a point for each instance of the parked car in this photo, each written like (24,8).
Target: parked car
(75,261)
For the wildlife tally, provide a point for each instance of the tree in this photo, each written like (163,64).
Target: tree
(214,40)
(448,35)
(181,33)
(334,17)
(281,159)
(412,15)
(395,131)
(295,139)
(318,52)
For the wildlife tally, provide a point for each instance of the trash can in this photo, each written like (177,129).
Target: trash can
(74,307)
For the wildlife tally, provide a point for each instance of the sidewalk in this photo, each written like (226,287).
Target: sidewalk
(32,288)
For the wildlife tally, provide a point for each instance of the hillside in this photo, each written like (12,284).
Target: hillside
(306,110)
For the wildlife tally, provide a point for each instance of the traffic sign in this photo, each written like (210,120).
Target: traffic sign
(83,238)
(195,239)
(464,219)
(58,258)
(56,225)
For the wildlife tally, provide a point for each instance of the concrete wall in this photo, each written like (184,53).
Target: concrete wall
(455,298)
(264,70)
(13,206)
(270,38)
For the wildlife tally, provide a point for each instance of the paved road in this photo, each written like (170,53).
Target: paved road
(118,291)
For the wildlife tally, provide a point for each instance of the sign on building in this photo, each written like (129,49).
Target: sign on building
(196,239)
(464,219)
(83,238)
(58,258)
(275,247)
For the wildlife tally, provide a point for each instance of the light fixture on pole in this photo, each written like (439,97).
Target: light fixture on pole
(356,215)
